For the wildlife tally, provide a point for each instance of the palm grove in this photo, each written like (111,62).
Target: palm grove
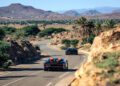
(87,30)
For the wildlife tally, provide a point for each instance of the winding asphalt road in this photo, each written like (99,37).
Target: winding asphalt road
(34,75)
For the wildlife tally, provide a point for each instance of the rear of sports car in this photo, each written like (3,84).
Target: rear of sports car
(55,66)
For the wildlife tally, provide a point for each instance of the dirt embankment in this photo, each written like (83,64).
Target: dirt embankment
(103,64)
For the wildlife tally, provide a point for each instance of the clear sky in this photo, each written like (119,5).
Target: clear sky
(59,5)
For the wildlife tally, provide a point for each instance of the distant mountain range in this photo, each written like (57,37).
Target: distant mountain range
(91,12)
(19,11)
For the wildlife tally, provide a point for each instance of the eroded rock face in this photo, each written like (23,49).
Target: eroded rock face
(89,74)
(23,52)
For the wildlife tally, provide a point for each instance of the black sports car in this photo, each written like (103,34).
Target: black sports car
(56,64)
(71,51)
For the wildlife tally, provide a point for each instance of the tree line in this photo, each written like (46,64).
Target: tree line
(91,28)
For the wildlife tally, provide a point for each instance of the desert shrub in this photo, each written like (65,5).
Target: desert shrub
(66,42)
(109,24)
(31,30)
(110,60)
(7,64)
(8,30)
(74,42)
(2,34)
(89,39)
(50,31)
(26,31)
(19,34)
(4,56)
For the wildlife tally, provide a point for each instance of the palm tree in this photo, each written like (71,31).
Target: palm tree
(89,27)
(98,28)
(82,22)
(108,24)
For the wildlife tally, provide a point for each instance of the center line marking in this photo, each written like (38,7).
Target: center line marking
(49,84)
(63,75)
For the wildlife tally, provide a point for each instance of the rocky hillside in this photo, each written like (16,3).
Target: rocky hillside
(19,11)
(102,67)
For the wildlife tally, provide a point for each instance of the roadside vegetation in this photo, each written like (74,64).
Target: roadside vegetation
(91,28)
(110,65)
(8,43)
(50,31)
(69,43)
(4,56)
(88,30)
(109,60)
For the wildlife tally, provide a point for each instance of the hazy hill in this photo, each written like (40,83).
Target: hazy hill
(20,11)
(90,13)
(71,13)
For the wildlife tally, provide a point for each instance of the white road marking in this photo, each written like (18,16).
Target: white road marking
(19,79)
(13,82)
(49,84)
(63,75)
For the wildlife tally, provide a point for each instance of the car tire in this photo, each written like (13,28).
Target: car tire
(67,54)
(45,69)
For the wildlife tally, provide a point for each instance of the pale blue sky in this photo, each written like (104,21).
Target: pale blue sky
(58,5)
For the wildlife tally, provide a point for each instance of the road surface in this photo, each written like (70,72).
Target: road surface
(34,75)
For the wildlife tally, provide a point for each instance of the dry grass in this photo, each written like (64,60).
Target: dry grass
(66,26)
(17,26)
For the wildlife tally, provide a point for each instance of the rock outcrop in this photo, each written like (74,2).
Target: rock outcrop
(23,52)
(92,73)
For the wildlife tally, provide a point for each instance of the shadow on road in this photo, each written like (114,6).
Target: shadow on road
(69,70)
(25,69)
(9,77)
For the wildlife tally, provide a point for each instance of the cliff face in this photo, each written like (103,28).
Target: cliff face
(102,67)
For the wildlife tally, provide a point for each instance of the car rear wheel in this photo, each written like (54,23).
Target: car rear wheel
(46,69)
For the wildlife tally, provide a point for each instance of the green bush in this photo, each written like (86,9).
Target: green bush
(74,42)
(8,30)
(89,39)
(7,64)
(50,31)
(2,34)
(26,31)
(110,60)
(19,34)
(31,30)
(66,42)
(4,56)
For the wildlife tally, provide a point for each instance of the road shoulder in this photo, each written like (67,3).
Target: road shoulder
(66,81)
